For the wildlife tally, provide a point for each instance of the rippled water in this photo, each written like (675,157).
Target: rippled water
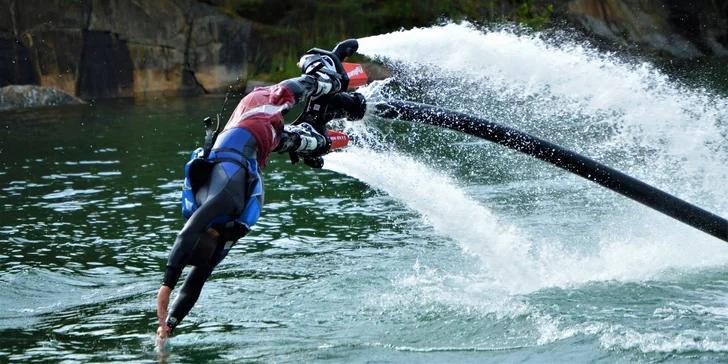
(413,245)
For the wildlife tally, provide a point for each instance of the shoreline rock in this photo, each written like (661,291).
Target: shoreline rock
(99,49)
(96,49)
(22,96)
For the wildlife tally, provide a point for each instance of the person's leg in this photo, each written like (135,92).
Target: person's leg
(220,205)
(188,295)
(203,249)
(195,280)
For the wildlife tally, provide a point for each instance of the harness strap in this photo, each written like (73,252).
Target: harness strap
(242,162)
(231,160)
(229,150)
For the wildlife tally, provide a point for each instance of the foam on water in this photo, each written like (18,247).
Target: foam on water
(516,261)
(445,207)
(517,264)
(679,129)
(649,112)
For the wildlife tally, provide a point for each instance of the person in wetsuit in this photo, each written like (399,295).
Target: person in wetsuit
(225,202)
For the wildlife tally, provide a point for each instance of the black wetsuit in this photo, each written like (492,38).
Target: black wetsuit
(231,196)
(222,198)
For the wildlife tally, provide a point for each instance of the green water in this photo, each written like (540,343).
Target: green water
(412,245)
(91,207)
(344,266)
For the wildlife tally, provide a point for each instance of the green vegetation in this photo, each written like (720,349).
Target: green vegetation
(534,17)
(288,28)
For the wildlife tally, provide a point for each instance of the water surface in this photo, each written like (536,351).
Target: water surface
(415,244)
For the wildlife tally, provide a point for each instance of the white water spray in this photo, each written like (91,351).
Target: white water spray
(447,209)
(648,111)
(665,133)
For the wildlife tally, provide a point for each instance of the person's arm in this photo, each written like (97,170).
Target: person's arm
(307,86)
(162,304)
(318,80)
(305,140)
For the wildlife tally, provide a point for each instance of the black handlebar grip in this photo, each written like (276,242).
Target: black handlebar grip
(346,48)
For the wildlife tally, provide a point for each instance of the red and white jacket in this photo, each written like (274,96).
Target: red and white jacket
(260,113)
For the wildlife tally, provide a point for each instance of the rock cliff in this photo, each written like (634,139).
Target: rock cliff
(683,29)
(123,48)
(119,48)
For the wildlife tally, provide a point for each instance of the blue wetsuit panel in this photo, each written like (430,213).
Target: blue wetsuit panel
(230,154)
(230,168)
(189,205)
(234,139)
(251,214)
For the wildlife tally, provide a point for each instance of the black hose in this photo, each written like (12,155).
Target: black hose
(560,157)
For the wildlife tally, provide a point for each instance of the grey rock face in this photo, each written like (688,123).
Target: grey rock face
(218,48)
(31,96)
(678,28)
(122,48)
